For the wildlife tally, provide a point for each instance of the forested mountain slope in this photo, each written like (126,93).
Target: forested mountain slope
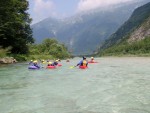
(133,36)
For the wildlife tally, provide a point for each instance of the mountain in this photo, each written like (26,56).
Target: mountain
(45,29)
(84,32)
(133,36)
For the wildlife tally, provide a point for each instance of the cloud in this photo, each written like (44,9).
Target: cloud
(43,9)
(85,5)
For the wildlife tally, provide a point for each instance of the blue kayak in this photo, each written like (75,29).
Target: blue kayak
(33,67)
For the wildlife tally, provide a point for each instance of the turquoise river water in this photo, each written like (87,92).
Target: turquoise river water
(114,85)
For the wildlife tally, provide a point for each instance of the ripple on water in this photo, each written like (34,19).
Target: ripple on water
(114,85)
(132,110)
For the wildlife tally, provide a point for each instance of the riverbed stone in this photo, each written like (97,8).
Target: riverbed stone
(7,60)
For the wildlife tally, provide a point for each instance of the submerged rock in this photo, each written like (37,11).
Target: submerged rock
(7,60)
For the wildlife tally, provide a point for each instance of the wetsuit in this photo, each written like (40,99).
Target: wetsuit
(55,63)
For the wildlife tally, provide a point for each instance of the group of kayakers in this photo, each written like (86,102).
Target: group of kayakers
(82,64)
(55,63)
(36,64)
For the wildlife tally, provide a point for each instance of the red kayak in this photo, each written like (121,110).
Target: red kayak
(59,64)
(51,67)
(92,62)
(83,67)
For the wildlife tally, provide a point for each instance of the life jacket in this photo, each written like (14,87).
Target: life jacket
(84,63)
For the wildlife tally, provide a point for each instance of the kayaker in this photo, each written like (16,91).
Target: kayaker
(43,62)
(50,64)
(59,60)
(55,63)
(67,60)
(31,62)
(83,62)
(92,59)
(35,63)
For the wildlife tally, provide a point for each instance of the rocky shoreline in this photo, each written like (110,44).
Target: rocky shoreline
(7,60)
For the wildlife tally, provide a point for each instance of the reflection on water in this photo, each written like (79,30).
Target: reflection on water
(114,85)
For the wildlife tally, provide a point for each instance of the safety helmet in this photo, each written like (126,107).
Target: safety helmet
(84,57)
(49,62)
(35,61)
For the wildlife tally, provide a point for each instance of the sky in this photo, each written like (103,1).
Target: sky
(41,9)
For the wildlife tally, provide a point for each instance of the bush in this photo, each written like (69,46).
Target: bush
(4,52)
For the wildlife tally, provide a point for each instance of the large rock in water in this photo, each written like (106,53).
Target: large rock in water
(7,60)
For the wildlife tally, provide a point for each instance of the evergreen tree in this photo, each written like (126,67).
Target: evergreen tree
(15,28)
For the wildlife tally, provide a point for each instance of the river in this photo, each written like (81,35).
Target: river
(114,85)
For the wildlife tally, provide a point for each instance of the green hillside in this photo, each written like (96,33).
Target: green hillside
(133,37)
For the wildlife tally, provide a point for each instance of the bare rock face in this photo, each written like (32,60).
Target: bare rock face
(141,33)
(7,60)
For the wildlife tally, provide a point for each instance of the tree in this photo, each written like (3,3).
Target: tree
(15,28)
(51,47)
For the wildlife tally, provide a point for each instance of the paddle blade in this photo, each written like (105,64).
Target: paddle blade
(72,67)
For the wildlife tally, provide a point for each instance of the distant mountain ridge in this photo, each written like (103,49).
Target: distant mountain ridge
(131,34)
(83,33)
(45,29)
